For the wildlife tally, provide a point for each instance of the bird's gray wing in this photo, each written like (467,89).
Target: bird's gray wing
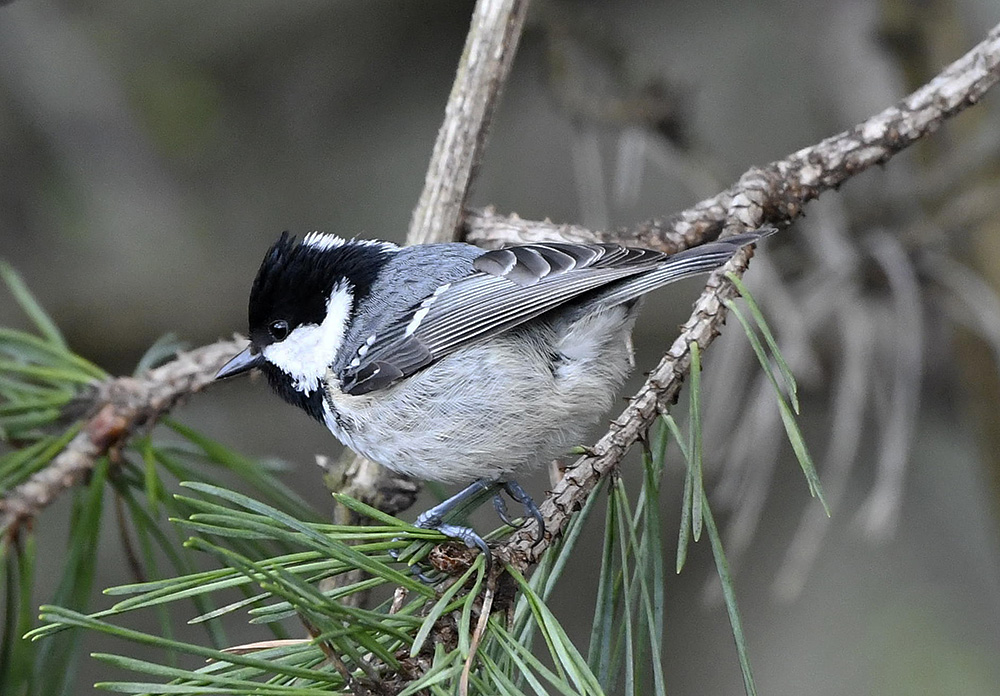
(507,288)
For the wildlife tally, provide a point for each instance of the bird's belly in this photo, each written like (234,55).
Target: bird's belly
(485,411)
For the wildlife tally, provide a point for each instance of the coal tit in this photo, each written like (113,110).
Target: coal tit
(447,362)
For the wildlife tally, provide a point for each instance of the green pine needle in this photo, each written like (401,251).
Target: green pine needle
(695,446)
(687,496)
(772,344)
(729,594)
(29,305)
(787,415)
(694,490)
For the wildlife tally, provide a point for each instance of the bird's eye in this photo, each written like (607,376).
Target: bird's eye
(278,329)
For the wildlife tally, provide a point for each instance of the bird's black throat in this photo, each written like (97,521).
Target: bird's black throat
(283,386)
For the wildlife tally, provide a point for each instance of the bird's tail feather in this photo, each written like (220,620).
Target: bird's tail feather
(700,259)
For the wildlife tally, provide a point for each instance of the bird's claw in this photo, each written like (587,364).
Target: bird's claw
(514,490)
(466,535)
(435,518)
(500,505)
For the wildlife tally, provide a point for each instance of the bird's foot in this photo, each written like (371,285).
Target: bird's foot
(466,535)
(518,494)
(435,517)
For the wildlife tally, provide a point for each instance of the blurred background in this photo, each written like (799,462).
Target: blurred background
(150,152)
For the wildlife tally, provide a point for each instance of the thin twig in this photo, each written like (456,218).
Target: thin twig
(482,72)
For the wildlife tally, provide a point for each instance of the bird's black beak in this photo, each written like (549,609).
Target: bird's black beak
(243,362)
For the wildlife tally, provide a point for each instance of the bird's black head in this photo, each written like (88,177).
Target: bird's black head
(301,304)
(295,281)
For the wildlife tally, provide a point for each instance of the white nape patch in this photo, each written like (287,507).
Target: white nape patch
(381,244)
(310,349)
(425,307)
(323,240)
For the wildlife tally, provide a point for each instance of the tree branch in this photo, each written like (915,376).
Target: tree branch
(119,408)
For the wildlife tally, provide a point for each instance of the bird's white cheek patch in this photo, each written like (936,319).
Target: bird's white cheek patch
(310,349)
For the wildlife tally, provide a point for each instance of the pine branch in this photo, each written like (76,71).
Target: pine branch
(119,408)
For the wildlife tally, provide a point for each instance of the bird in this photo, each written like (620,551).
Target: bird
(451,363)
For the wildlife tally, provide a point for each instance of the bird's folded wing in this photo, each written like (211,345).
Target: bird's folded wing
(509,287)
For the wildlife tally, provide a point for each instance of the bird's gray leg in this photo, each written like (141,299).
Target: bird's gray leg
(435,516)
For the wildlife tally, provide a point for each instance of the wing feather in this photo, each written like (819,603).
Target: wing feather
(511,286)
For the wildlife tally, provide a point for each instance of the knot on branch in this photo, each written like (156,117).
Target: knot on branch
(107,428)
